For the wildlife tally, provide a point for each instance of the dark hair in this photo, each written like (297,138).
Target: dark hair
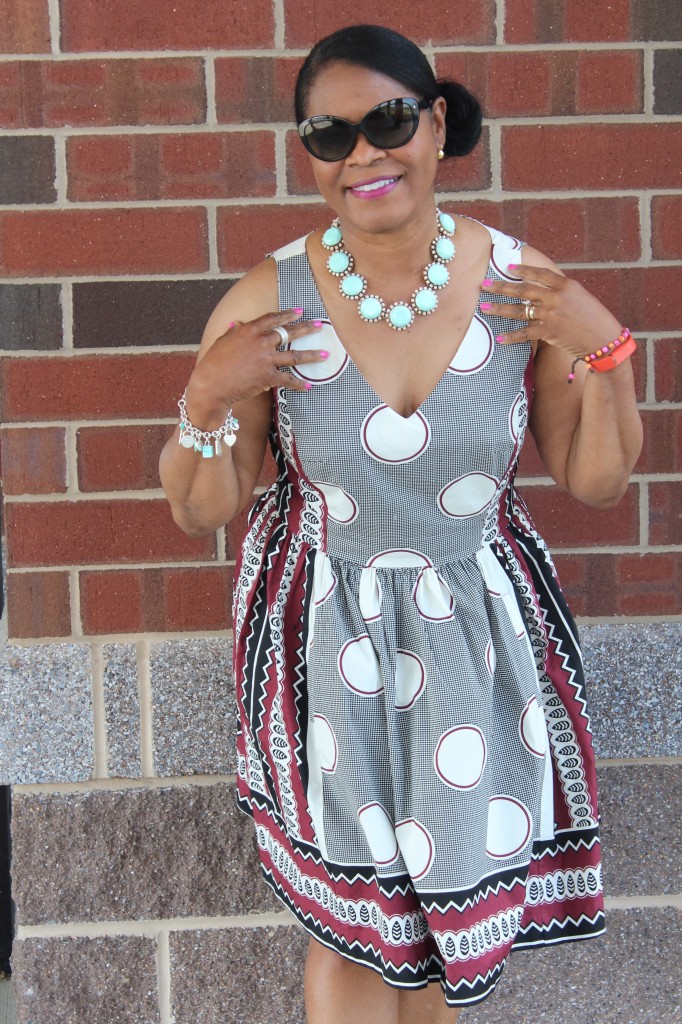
(383,50)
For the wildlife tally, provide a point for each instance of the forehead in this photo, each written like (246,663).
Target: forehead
(350,91)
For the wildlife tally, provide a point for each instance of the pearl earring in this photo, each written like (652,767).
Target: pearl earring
(441,153)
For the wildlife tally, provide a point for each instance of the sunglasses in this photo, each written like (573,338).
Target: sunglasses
(387,126)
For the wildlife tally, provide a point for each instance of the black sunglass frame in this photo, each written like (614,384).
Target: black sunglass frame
(416,106)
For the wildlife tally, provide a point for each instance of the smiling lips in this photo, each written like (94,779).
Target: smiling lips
(374,189)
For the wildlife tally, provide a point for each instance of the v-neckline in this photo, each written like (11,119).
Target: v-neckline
(361,375)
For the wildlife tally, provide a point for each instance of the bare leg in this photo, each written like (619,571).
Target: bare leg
(338,991)
(425,1006)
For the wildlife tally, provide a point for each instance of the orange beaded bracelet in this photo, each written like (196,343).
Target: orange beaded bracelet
(608,357)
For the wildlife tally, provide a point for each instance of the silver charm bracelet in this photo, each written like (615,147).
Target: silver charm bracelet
(207,442)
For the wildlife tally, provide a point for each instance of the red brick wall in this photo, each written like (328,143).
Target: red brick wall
(148,158)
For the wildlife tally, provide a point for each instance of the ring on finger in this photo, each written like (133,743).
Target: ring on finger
(529,309)
(283,333)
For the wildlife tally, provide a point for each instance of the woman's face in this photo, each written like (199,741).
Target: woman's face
(348,91)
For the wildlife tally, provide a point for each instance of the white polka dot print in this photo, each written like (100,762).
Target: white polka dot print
(324,370)
(468,495)
(325,742)
(509,827)
(359,668)
(532,728)
(369,594)
(410,679)
(381,836)
(434,601)
(398,558)
(389,437)
(324,581)
(475,350)
(340,505)
(460,757)
(416,845)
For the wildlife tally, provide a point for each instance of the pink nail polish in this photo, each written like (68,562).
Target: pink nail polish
(499,338)
(308,385)
(298,310)
(486,305)
(513,266)
(230,325)
(487,283)
(323,353)
(317,323)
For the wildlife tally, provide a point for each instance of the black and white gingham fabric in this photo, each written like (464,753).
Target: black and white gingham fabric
(409,677)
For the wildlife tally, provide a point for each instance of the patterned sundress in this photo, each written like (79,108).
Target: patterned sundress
(414,746)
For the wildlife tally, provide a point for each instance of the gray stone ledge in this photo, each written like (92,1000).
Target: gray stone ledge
(122,710)
(86,980)
(193,707)
(634,685)
(134,854)
(46,729)
(247,976)
(631,975)
(640,829)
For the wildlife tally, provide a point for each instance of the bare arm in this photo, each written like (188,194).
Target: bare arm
(237,367)
(588,433)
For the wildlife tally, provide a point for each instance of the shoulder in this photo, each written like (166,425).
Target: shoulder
(250,297)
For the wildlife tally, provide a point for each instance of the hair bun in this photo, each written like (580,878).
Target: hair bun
(462,119)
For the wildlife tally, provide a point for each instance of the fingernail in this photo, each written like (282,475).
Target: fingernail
(513,266)
(308,386)
(230,325)
(486,305)
(323,353)
(487,283)
(499,338)
(317,323)
(298,310)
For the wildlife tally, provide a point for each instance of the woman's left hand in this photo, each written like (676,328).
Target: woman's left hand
(562,312)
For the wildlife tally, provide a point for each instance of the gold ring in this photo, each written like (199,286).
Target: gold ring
(530,311)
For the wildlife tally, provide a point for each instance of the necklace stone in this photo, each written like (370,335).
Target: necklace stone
(372,308)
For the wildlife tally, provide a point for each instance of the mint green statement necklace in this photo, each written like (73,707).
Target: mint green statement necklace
(372,308)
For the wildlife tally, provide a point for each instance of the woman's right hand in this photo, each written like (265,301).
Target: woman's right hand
(247,359)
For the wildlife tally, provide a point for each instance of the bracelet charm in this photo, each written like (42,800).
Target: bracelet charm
(207,442)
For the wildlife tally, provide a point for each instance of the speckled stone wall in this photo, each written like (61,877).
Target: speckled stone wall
(136,879)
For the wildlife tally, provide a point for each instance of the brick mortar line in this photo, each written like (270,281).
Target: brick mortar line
(117,567)
(71,450)
(221,546)
(209,76)
(495,158)
(99,717)
(276,51)
(648,79)
(75,604)
(628,762)
(153,926)
(645,228)
(644,513)
(313,199)
(66,303)
(280,165)
(163,976)
(651,373)
(60,171)
(499,22)
(146,703)
(55,26)
(280,36)
(674,900)
(118,784)
(212,225)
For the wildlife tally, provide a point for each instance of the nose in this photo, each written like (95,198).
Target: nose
(364,152)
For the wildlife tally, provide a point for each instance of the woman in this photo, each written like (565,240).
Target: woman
(414,745)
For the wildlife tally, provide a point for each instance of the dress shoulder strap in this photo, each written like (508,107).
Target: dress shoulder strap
(295,281)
